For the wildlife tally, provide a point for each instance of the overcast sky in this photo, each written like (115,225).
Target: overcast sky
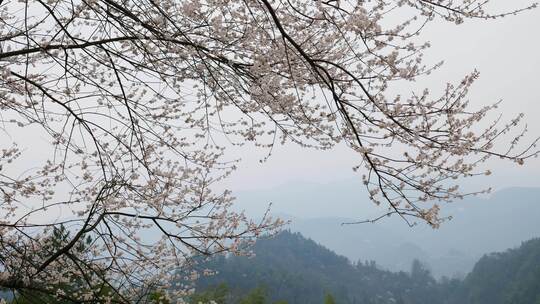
(505,51)
(507,54)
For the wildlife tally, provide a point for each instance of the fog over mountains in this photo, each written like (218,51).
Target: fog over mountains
(480,225)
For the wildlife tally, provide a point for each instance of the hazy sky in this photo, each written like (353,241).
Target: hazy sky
(505,51)
(507,54)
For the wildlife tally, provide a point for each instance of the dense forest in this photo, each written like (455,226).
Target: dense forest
(509,277)
(292,269)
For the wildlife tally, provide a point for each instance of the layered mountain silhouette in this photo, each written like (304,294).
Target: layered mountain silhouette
(297,270)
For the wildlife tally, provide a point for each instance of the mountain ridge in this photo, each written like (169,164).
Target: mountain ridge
(298,270)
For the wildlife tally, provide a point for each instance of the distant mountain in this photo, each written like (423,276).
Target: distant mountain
(479,225)
(296,270)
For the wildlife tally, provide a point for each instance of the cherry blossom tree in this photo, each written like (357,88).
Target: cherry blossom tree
(140,99)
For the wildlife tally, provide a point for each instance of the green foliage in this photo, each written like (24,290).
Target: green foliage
(218,294)
(511,277)
(298,270)
(62,293)
(295,270)
(221,295)
(256,296)
(158,297)
(328,299)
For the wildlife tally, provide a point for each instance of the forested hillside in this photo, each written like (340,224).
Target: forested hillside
(509,277)
(290,269)
(296,270)
(452,250)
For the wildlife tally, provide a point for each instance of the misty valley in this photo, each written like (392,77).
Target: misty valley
(488,254)
(468,261)
(292,269)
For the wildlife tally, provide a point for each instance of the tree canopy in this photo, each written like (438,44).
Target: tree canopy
(299,271)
